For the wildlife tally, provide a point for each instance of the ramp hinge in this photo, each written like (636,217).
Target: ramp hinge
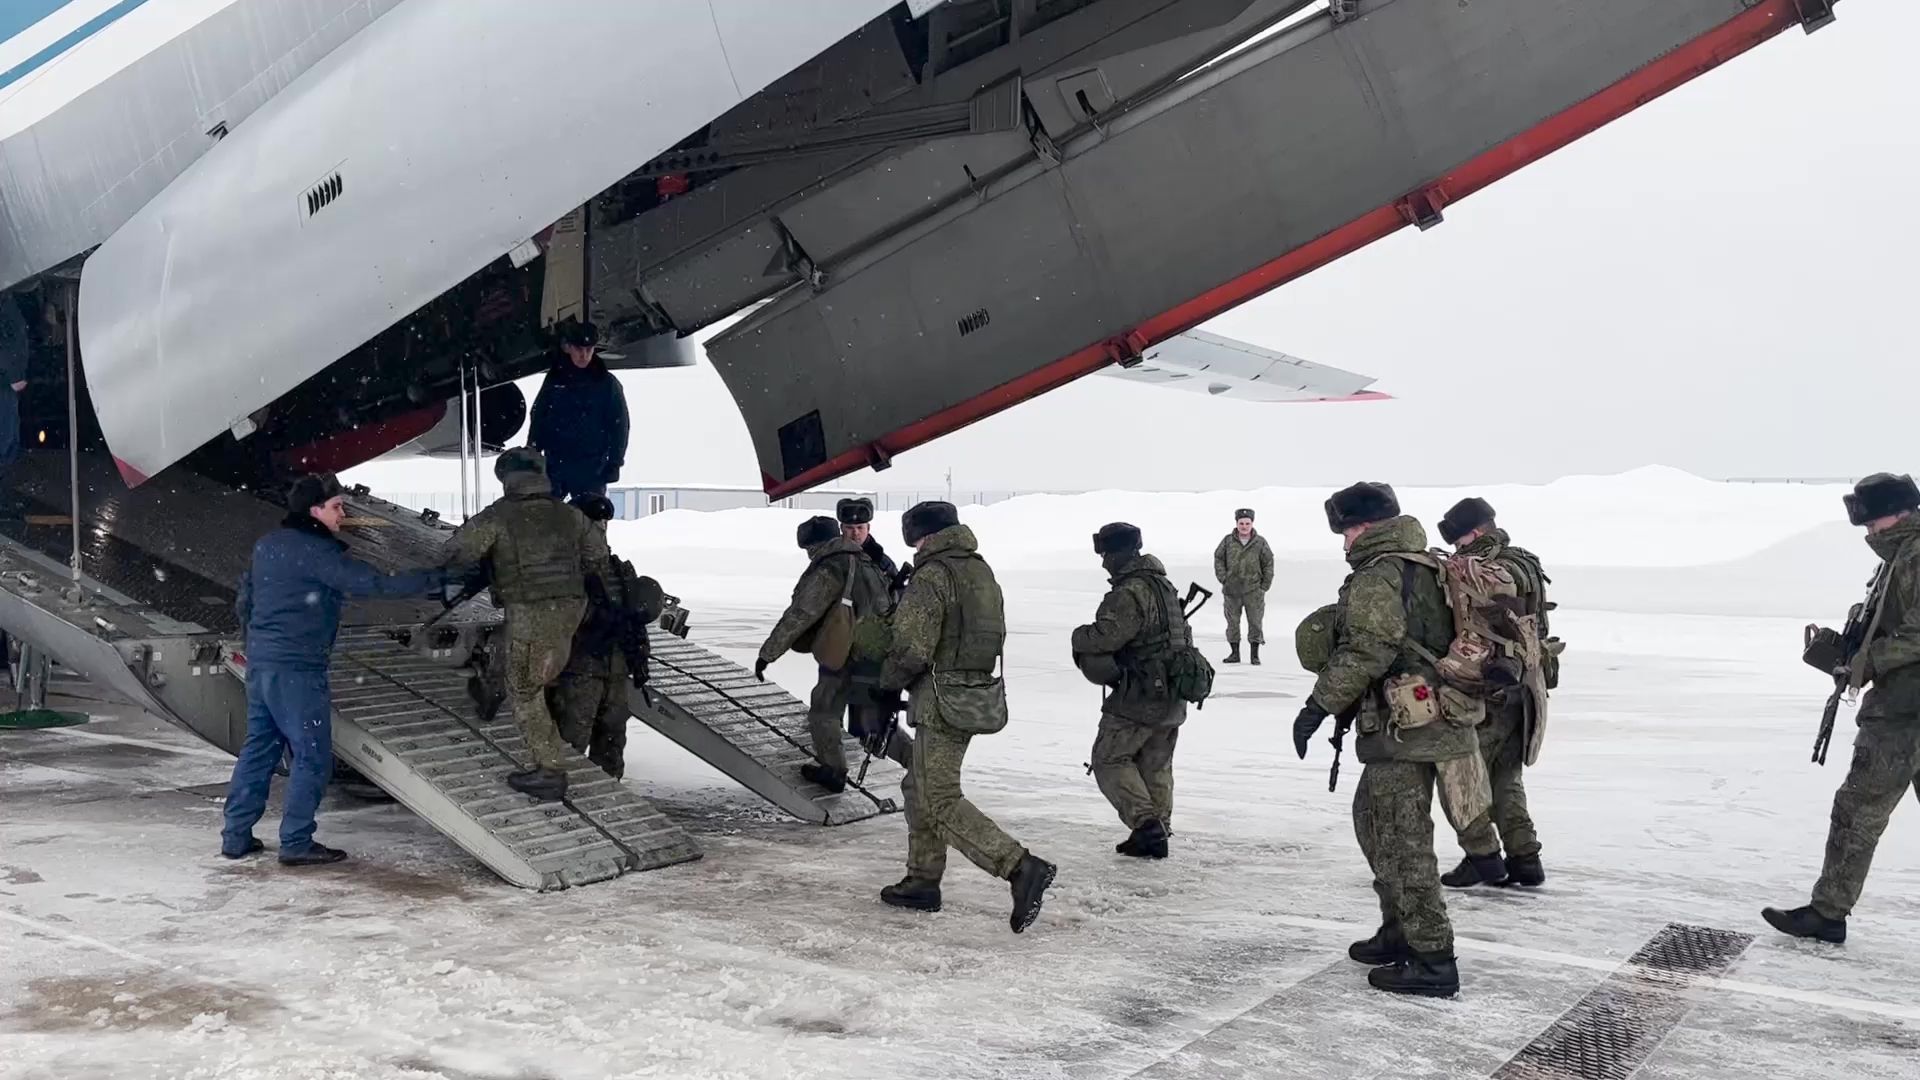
(1128,349)
(1814,14)
(1343,10)
(877,457)
(1422,208)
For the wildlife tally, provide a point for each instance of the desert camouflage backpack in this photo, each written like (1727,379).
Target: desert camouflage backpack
(1497,645)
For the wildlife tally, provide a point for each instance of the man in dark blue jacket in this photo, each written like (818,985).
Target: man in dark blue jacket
(580,417)
(289,606)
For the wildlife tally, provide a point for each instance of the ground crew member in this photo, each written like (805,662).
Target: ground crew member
(289,606)
(1139,625)
(1471,529)
(579,417)
(1886,752)
(837,572)
(541,552)
(1391,615)
(1243,564)
(590,700)
(949,634)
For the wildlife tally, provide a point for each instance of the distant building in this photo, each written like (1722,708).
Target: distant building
(643,500)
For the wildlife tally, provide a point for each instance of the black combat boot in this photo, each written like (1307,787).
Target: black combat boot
(1254,654)
(1476,870)
(912,892)
(1807,923)
(1148,841)
(316,854)
(1525,870)
(831,779)
(1387,946)
(1233,654)
(1030,880)
(545,785)
(1423,974)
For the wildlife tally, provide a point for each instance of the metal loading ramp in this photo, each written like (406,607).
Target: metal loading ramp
(754,732)
(406,721)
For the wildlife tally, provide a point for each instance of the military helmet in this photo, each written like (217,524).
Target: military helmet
(311,491)
(816,530)
(927,518)
(855,511)
(1362,504)
(1466,516)
(520,459)
(1313,639)
(1101,669)
(1116,538)
(1881,495)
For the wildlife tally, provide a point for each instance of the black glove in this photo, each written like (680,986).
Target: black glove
(760,670)
(890,702)
(1304,725)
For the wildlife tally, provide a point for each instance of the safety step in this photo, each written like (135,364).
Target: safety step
(754,732)
(409,726)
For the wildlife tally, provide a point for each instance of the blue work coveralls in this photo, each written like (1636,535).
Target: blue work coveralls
(290,603)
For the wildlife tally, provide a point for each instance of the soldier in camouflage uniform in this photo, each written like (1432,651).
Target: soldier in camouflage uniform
(1471,529)
(541,551)
(1139,623)
(590,700)
(1886,752)
(1389,609)
(837,569)
(949,634)
(1243,564)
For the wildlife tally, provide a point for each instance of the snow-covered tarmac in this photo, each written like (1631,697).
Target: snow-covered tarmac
(1675,789)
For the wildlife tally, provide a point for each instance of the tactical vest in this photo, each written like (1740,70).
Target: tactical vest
(1166,631)
(1525,567)
(974,633)
(538,554)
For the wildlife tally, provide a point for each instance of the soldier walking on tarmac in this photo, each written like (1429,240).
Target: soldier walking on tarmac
(1886,752)
(1131,644)
(839,573)
(949,635)
(1243,564)
(1471,529)
(1391,616)
(541,552)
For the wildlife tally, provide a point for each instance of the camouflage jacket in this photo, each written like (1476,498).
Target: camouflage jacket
(1893,650)
(951,619)
(1384,604)
(1134,625)
(1243,568)
(820,587)
(1496,546)
(538,547)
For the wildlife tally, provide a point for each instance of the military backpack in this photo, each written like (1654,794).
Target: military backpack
(1166,659)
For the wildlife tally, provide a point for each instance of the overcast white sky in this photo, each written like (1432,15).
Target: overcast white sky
(1723,281)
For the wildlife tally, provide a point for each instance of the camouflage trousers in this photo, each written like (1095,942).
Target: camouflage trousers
(939,815)
(539,639)
(833,697)
(1886,765)
(1393,820)
(589,703)
(1133,764)
(1255,606)
(1503,746)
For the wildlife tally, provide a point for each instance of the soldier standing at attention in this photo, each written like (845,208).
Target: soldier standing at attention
(949,634)
(1392,614)
(541,551)
(1243,564)
(1137,629)
(1886,752)
(1471,529)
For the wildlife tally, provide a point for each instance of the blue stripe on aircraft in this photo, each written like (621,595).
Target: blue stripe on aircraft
(36,10)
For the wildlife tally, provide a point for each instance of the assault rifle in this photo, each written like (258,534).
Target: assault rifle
(1834,653)
(1188,609)
(879,739)
(1341,725)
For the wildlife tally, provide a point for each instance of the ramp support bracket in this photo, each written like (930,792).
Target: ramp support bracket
(1814,14)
